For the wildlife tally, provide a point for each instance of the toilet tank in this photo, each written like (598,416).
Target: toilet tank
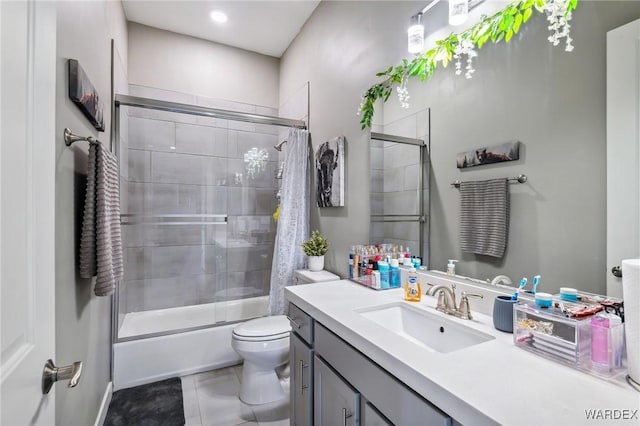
(304,276)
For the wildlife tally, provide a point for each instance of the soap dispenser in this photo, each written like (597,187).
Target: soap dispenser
(451,267)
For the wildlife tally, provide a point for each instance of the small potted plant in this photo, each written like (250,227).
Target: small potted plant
(315,248)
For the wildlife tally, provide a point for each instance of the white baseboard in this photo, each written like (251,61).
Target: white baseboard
(104,406)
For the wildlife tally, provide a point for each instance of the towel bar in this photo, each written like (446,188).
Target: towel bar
(519,178)
(70,138)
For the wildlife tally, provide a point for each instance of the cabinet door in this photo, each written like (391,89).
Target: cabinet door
(372,417)
(301,392)
(335,402)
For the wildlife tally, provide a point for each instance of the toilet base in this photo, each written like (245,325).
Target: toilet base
(259,385)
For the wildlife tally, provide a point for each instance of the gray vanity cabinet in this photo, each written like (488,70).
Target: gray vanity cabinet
(335,401)
(301,380)
(399,404)
(342,386)
(372,417)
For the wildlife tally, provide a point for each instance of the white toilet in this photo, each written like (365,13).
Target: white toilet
(263,344)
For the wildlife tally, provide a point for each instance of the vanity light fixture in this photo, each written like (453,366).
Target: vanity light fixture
(218,16)
(415,34)
(458,12)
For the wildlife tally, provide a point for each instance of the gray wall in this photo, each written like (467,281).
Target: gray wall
(185,64)
(338,51)
(550,100)
(83,321)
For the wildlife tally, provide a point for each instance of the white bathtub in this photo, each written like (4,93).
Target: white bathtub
(150,359)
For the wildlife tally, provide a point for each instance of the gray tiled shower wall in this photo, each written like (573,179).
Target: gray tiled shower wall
(394,173)
(182,164)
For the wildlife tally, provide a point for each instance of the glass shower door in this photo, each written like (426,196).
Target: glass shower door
(174,223)
(197,199)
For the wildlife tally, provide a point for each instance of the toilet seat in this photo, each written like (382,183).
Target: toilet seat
(263,329)
(261,338)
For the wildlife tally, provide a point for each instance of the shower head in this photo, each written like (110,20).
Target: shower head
(278,146)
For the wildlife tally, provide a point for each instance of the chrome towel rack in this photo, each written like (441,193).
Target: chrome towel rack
(70,138)
(520,179)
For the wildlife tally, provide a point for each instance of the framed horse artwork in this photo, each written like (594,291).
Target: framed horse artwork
(330,173)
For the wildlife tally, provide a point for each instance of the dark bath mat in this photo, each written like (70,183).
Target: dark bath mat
(154,404)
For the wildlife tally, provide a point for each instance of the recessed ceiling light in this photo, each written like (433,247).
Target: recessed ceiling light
(218,16)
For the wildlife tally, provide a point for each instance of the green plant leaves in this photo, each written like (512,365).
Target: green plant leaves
(502,25)
(316,245)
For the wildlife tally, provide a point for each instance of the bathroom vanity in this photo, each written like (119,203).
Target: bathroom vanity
(334,384)
(364,357)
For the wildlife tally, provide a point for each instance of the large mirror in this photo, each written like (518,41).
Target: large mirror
(554,103)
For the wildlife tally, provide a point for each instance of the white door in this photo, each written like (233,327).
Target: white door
(623,149)
(27,189)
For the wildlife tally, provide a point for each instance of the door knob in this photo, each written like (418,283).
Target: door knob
(52,374)
(616,271)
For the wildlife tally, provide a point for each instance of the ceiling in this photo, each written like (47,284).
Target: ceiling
(266,26)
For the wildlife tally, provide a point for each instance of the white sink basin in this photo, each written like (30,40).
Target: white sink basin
(430,330)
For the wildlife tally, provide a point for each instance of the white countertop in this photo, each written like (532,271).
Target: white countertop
(492,382)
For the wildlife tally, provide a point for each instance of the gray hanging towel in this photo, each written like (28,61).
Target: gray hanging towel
(101,240)
(484,216)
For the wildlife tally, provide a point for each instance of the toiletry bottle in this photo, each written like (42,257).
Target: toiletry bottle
(356,265)
(352,253)
(417,262)
(383,268)
(412,291)
(375,279)
(451,267)
(363,263)
(394,273)
(406,257)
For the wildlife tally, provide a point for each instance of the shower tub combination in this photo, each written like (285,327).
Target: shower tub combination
(197,193)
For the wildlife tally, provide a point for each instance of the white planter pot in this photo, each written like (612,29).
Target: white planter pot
(315,263)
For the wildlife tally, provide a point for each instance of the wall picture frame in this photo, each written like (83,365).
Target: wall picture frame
(329,161)
(84,94)
(509,151)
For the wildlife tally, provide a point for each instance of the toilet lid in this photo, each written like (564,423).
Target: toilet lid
(268,327)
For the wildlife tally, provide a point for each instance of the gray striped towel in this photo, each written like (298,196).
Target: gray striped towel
(484,217)
(101,240)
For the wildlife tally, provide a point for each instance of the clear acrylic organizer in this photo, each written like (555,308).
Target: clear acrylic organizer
(548,332)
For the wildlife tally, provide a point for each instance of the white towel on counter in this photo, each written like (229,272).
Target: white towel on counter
(484,217)
(101,240)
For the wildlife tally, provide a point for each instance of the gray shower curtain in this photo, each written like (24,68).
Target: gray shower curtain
(293,223)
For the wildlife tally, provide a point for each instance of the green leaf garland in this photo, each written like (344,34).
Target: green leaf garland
(502,25)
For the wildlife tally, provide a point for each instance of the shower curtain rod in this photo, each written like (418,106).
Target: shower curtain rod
(135,101)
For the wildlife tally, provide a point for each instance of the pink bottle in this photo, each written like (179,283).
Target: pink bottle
(600,341)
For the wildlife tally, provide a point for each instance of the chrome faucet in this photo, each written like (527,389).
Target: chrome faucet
(446,297)
(447,301)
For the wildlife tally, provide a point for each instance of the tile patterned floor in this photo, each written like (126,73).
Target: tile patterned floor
(211,399)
